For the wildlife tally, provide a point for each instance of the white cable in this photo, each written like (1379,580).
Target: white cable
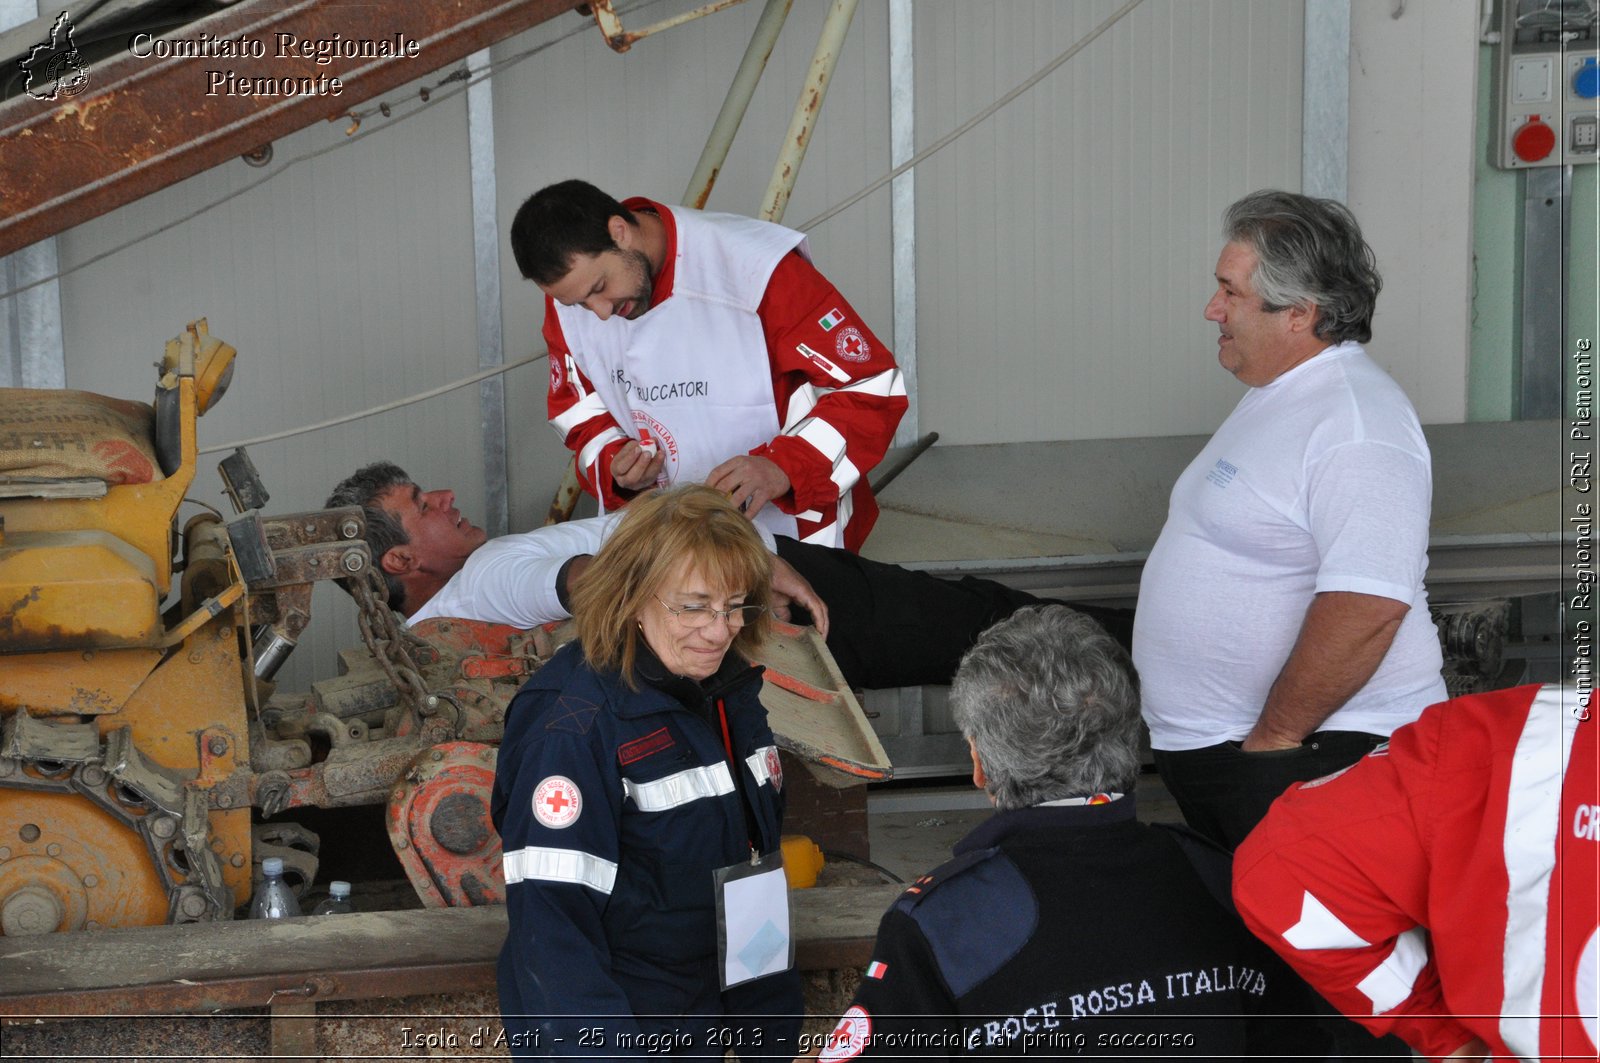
(373,410)
(964,127)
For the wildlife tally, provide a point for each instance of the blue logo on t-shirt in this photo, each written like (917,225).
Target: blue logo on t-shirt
(1223,473)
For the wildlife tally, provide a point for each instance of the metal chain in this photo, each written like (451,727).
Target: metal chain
(391,646)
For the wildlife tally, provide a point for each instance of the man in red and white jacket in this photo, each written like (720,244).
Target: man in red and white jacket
(688,346)
(1444,888)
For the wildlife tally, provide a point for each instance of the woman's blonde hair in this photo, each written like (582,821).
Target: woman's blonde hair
(656,535)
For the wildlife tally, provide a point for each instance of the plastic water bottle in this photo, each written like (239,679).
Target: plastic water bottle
(274,899)
(337,902)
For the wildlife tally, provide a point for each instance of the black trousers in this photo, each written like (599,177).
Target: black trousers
(1224,792)
(891,627)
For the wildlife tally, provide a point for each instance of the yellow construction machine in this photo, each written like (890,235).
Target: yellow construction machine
(136,739)
(126,783)
(119,716)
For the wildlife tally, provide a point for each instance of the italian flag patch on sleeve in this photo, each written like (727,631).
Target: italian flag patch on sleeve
(831,320)
(876,969)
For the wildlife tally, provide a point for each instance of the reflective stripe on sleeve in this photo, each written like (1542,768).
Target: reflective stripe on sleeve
(828,442)
(800,405)
(539,864)
(757,763)
(591,450)
(829,534)
(1533,812)
(1392,981)
(680,788)
(885,385)
(1319,928)
(591,405)
(1386,985)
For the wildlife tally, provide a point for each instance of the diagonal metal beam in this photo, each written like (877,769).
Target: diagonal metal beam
(141,124)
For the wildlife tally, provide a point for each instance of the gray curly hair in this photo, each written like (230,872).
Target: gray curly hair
(1051,703)
(1309,251)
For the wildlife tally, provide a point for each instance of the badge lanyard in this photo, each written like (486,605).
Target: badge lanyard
(751,829)
(753,931)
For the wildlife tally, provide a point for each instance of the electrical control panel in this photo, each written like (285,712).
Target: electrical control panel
(1547,91)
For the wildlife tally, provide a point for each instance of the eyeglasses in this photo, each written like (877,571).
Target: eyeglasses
(698,616)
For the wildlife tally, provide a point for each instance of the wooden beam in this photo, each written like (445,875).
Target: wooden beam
(210,967)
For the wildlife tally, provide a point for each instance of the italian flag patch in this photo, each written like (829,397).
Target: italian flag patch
(876,969)
(831,320)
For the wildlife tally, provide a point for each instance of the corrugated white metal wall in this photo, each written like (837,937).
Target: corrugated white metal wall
(1412,102)
(1065,246)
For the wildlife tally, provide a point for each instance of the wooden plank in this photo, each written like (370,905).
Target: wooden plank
(206,967)
(812,709)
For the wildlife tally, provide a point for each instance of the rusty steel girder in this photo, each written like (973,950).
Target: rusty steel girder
(140,124)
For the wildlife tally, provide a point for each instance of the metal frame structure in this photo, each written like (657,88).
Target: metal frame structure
(743,86)
(1325,101)
(1546,234)
(487,298)
(144,123)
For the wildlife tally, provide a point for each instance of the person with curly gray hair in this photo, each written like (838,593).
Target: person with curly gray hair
(1282,629)
(1064,926)
(1050,707)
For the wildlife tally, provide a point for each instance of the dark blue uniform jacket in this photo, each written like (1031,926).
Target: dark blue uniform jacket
(1072,931)
(613,934)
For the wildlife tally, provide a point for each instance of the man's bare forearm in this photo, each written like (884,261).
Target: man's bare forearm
(1342,641)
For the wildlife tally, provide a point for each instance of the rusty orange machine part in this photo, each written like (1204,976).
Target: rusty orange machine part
(439,825)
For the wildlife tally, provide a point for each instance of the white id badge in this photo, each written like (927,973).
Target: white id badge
(753,937)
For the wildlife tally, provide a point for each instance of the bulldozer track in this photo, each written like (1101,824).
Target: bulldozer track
(167,814)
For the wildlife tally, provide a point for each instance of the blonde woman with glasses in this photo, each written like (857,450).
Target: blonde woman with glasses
(639,799)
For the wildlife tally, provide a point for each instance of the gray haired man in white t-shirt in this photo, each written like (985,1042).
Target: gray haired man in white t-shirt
(1282,630)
